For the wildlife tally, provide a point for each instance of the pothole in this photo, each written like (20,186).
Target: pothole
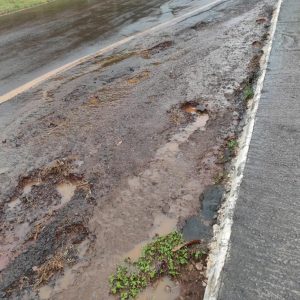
(66,191)
(193,107)
(171,149)
(13,204)
(69,274)
(34,204)
(257,44)
(262,20)
(28,186)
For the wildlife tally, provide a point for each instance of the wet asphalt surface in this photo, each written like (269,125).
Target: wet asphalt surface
(115,127)
(40,39)
(263,261)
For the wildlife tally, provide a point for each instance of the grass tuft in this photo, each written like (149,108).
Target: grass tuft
(232,145)
(164,256)
(248,92)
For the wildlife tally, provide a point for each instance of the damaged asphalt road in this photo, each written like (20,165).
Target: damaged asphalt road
(99,158)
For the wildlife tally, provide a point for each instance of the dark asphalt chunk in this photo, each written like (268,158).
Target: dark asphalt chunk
(200,227)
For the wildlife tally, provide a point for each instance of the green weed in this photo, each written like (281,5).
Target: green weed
(232,145)
(198,255)
(162,257)
(248,92)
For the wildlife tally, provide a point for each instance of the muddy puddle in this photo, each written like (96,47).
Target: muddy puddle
(193,108)
(14,204)
(35,203)
(69,275)
(135,252)
(164,289)
(28,186)
(66,190)
(62,283)
(162,225)
(172,148)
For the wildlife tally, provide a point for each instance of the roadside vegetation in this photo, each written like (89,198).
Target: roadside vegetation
(232,145)
(8,6)
(248,92)
(164,256)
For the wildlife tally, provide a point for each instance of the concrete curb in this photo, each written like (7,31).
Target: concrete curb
(220,245)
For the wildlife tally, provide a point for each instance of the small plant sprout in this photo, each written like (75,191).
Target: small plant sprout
(198,254)
(248,92)
(232,145)
(164,256)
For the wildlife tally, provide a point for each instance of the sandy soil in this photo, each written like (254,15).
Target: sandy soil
(100,158)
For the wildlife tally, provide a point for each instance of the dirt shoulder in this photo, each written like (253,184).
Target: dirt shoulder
(102,157)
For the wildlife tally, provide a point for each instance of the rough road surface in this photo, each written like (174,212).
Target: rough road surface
(40,39)
(103,156)
(264,261)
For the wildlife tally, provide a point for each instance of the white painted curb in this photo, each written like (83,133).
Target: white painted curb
(221,241)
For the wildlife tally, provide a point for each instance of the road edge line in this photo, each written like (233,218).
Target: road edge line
(220,244)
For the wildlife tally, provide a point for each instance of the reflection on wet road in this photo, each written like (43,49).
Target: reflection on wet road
(37,40)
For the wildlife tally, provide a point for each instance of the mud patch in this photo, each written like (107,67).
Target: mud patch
(66,191)
(257,44)
(193,280)
(108,95)
(114,59)
(139,77)
(200,25)
(162,225)
(161,46)
(262,20)
(164,289)
(194,107)
(68,272)
(156,49)
(93,102)
(37,231)
(184,112)
(170,150)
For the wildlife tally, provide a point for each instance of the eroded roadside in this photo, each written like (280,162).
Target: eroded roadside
(101,158)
